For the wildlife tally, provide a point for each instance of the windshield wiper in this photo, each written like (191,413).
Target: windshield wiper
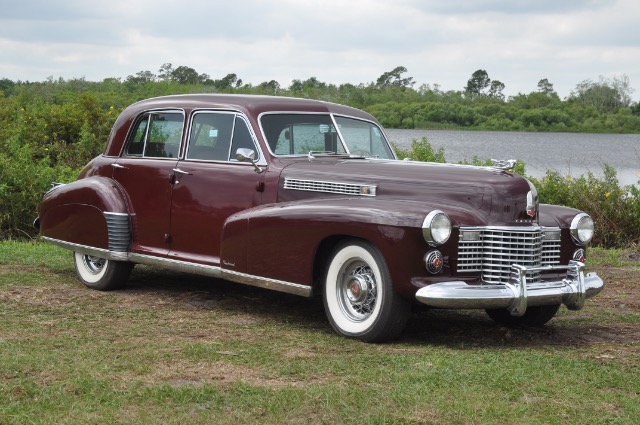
(312,154)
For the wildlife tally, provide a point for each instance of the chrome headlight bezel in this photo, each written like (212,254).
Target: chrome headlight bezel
(436,228)
(582,229)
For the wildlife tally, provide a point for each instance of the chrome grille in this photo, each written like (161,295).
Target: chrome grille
(330,187)
(551,252)
(493,250)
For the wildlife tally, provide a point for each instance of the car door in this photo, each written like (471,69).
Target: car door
(211,185)
(144,171)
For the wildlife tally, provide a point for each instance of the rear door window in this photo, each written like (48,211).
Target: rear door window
(157,135)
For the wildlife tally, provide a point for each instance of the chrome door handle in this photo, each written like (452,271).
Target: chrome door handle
(118,166)
(179,171)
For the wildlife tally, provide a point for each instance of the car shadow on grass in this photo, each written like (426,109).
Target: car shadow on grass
(451,328)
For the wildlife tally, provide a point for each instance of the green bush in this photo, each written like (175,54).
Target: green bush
(23,180)
(420,150)
(614,209)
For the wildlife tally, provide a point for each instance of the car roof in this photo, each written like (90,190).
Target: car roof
(250,105)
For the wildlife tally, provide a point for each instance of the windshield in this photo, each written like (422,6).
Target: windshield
(299,134)
(363,138)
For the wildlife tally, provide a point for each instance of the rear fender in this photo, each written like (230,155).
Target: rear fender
(87,215)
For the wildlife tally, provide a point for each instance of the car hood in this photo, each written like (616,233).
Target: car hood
(483,194)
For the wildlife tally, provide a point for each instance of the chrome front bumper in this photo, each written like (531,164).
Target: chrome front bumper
(518,294)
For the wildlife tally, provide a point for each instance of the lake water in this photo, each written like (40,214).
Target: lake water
(572,154)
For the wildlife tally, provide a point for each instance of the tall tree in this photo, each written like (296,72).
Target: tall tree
(495,90)
(545,87)
(229,81)
(478,83)
(165,72)
(271,87)
(187,75)
(394,78)
(141,77)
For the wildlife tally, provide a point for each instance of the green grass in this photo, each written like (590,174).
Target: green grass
(173,348)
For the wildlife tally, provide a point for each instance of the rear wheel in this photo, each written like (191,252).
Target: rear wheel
(100,273)
(534,316)
(359,297)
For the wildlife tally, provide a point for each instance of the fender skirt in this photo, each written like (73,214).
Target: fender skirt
(88,216)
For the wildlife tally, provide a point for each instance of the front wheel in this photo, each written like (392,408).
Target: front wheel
(359,297)
(533,316)
(101,274)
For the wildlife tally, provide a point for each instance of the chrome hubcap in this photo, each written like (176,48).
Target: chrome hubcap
(94,265)
(357,290)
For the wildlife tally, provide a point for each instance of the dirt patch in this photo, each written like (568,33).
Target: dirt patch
(200,373)
(616,310)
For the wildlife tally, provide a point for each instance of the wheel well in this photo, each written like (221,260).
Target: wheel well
(322,256)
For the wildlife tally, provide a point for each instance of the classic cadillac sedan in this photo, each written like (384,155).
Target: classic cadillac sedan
(307,197)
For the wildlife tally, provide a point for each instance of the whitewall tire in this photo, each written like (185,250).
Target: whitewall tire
(99,273)
(359,297)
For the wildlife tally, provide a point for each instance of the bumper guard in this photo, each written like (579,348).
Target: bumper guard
(518,294)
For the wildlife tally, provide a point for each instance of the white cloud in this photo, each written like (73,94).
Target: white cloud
(517,42)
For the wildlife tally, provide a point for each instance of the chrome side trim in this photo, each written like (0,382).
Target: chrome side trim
(354,189)
(89,250)
(518,294)
(263,282)
(176,265)
(187,267)
(219,273)
(118,231)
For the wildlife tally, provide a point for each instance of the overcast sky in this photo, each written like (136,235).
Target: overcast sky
(518,42)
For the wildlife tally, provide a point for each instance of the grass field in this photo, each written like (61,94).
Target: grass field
(179,349)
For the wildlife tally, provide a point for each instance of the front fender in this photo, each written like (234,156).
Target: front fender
(559,216)
(89,212)
(281,241)
(555,215)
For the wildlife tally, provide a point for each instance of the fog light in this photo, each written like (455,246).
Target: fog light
(580,255)
(433,262)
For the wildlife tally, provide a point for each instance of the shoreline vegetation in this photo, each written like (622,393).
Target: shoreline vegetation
(49,130)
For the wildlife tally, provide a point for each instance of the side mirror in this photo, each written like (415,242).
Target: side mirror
(248,155)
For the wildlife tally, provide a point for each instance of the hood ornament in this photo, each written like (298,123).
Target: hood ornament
(504,165)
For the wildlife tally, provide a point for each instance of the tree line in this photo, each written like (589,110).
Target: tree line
(603,105)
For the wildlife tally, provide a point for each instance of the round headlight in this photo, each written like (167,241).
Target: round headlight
(582,228)
(436,228)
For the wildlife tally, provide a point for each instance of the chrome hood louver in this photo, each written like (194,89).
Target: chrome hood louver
(341,188)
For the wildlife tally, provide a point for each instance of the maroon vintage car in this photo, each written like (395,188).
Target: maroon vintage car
(307,197)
